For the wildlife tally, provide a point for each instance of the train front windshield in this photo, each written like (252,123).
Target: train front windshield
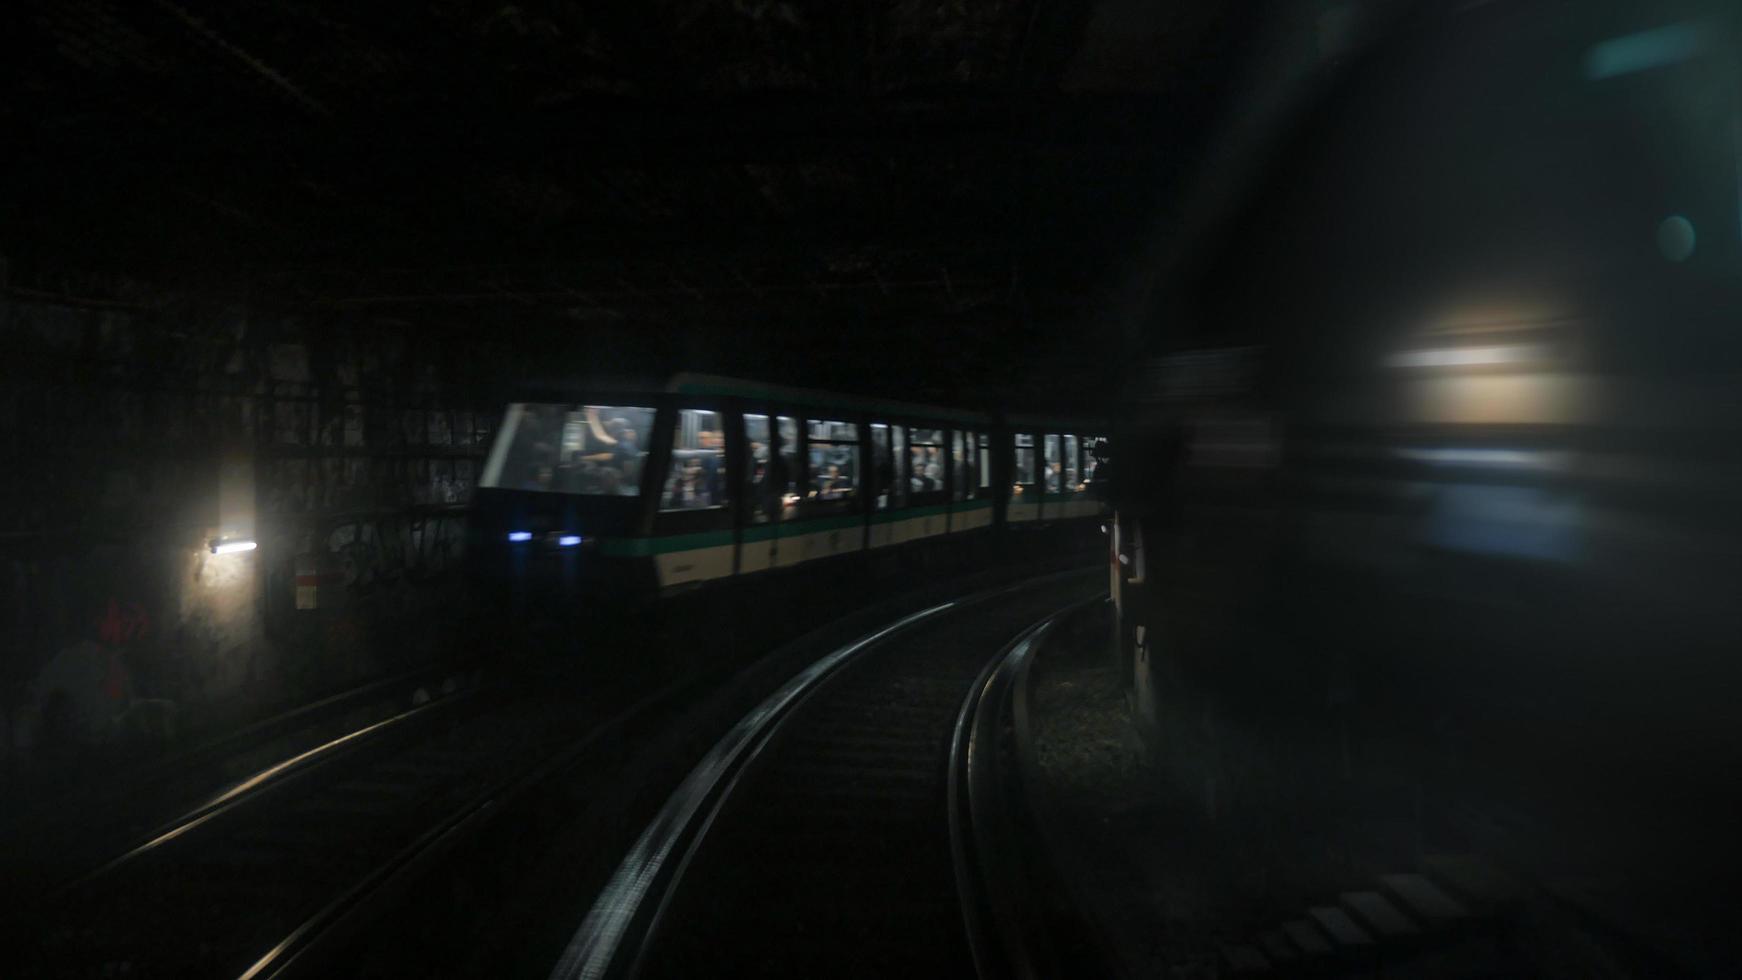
(595,450)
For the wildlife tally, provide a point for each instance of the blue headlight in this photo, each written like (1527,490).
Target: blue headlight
(520,536)
(569,540)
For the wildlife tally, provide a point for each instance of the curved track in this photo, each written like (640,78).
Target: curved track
(1007,893)
(815,840)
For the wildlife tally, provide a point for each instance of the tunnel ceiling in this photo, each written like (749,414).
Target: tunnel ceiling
(727,171)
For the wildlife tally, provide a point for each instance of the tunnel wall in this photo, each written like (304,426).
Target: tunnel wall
(1486,602)
(140,429)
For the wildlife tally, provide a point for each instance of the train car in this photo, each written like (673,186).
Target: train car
(622,495)
(1052,466)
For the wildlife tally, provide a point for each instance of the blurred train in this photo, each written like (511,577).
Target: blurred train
(1427,524)
(626,495)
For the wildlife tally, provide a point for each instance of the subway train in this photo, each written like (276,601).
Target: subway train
(619,495)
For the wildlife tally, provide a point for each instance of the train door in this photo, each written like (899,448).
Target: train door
(967,512)
(956,480)
(879,530)
(831,513)
(1068,481)
(983,491)
(1051,477)
(785,473)
(1024,485)
(763,489)
(693,535)
(927,482)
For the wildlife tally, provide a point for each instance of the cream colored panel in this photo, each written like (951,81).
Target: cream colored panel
(1022,511)
(818,544)
(790,552)
(915,528)
(700,564)
(882,535)
(968,520)
(840,541)
(756,556)
(905,531)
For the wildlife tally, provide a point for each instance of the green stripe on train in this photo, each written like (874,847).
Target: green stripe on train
(907,513)
(642,547)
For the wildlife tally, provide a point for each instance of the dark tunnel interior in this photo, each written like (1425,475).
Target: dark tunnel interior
(783,488)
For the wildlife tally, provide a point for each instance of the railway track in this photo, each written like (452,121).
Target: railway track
(270,876)
(52,836)
(278,875)
(834,831)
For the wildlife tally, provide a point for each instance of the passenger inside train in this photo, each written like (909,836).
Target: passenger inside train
(590,449)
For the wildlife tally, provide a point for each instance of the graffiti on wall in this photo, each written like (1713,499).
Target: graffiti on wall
(122,623)
(383,551)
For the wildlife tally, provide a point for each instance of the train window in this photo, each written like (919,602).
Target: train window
(697,476)
(586,449)
(1071,483)
(1089,458)
(757,451)
(833,450)
(1023,443)
(985,461)
(1053,475)
(821,431)
(786,468)
(925,460)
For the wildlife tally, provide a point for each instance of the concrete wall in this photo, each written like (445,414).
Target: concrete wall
(137,432)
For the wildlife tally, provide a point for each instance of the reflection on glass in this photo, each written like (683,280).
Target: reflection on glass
(962,449)
(1071,482)
(757,454)
(834,460)
(881,462)
(926,460)
(1089,461)
(1023,443)
(697,476)
(586,449)
(1053,475)
(898,481)
(786,469)
(827,431)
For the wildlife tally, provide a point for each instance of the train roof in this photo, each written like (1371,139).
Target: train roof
(689,383)
(696,383)
(1078,423)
